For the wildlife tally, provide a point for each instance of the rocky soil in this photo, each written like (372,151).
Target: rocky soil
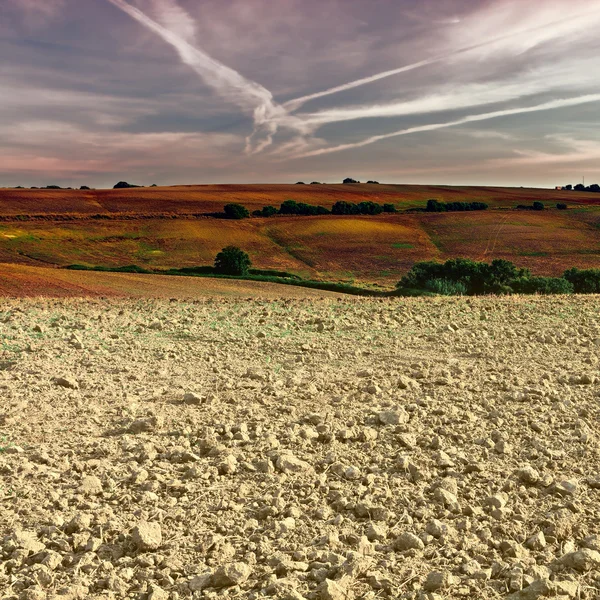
(318,449)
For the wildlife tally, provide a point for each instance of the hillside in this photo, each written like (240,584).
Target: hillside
(168,227)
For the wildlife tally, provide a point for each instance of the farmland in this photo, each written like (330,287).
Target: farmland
(161,228)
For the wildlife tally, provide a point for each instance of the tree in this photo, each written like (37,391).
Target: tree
(538,206)
(561,206)
(373,182)
(580,187)
(84,187)
(300,183)
(124,185)
(232,261)
(389,208)
(236,211)
(350,180)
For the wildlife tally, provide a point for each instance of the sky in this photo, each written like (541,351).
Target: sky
(463,92)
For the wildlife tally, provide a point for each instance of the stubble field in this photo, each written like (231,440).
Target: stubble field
(318,449)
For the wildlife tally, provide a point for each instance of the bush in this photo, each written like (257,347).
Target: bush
(584,281)
(232,261)
(542,285)
(445,287)
(389,208)
(300,183)
(84,187)
(291,207)
(538,206)
(236,211)
(373,182)
(561,206)
(350,180)
(435,206)
(124,185)
(477,277)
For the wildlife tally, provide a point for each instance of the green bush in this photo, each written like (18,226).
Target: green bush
(291,207)
(435,206)
(236,211)
(561,206)
(542,285)
(538,206)
(232,261)
(446,287)
(389,208)
(477,277)
(584,281)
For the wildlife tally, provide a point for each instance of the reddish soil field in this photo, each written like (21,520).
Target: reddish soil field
(212,198)
(159,228)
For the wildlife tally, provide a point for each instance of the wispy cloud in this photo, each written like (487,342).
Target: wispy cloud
(552,105)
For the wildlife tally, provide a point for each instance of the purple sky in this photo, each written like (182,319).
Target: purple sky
(402,91)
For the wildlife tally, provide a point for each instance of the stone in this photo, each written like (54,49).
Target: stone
(143,425)
(582,560)
(528,475)
(288,463)
(438,580)
(334,590)
(538,589)
(393,417)
(229,575)
(536,541)
(199,582)
(27,540)
(91,486)
(497,500)
(566,488)
(192,398)
(66,382)
(158,593)
(147,536)
(408,541)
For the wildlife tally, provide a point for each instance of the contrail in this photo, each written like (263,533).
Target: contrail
(293,105)
(561,103)
(248,94)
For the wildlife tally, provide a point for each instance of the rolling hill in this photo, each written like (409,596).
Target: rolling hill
(165,227)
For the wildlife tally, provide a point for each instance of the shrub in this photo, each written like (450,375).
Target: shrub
(315,183)
(350,180)
(291,207)
(561,206)
(124,185)
(84,187)
(232,261)
(236,211)
(584,281)
(300,183)
(435,206)
(389,208)
(344,208)
(369,208)
(477,277)
(445,287)
(538,206)
(267,211)
(373,182)
(542,285)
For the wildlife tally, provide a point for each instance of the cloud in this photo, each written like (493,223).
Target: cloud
(521,32)
(554,104)
(175,18)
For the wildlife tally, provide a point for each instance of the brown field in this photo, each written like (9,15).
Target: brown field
(20,281)
(164,227)
(180,200)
